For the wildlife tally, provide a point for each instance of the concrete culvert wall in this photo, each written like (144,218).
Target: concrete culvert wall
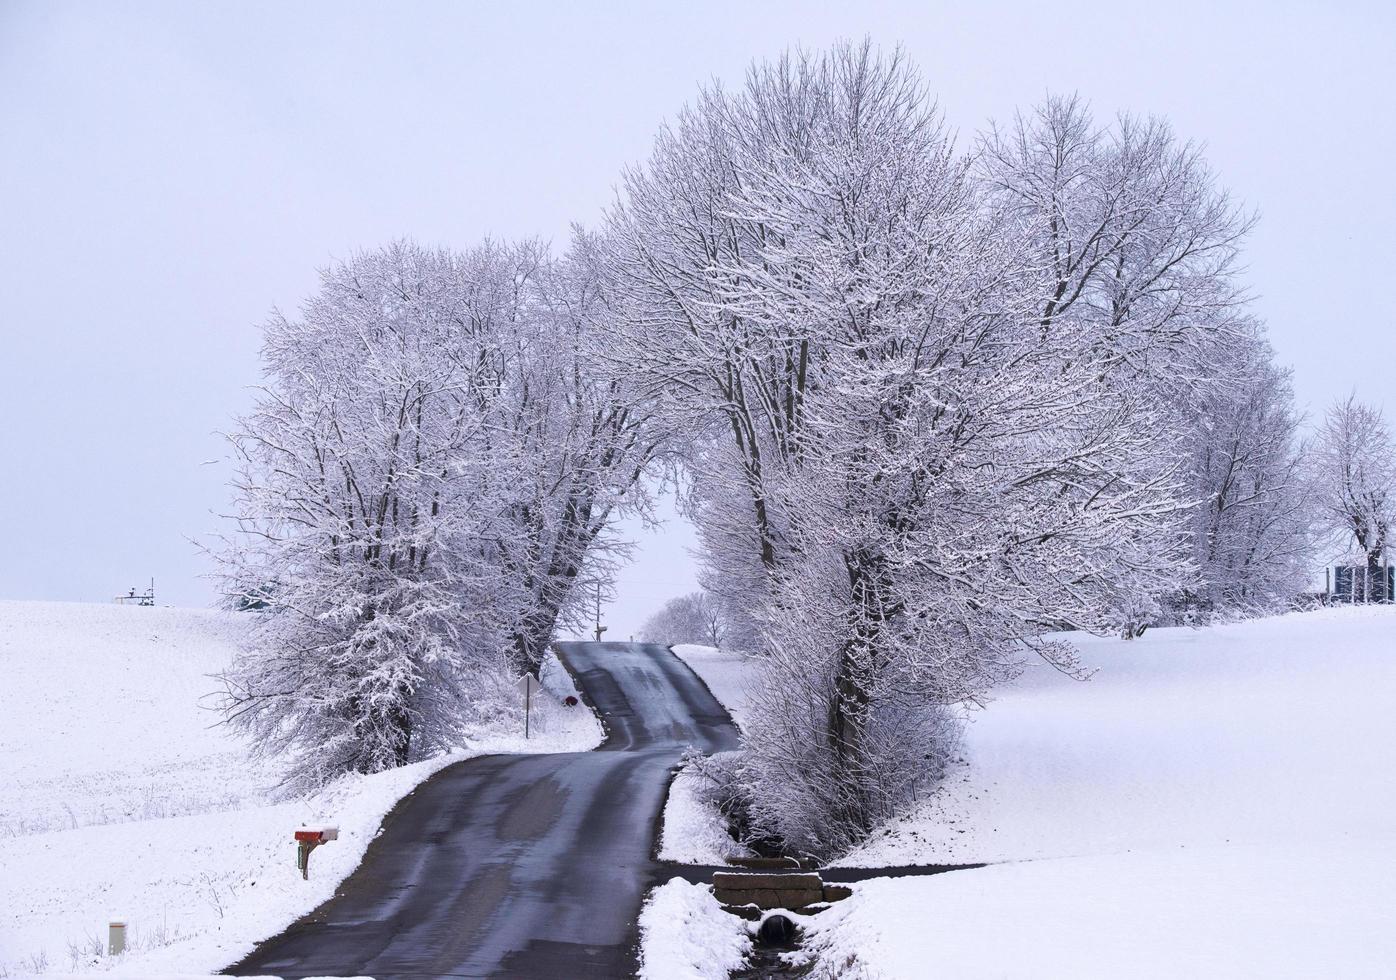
(776,930)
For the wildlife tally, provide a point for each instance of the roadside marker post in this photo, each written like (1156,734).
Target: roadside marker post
(116,938)
(530,686)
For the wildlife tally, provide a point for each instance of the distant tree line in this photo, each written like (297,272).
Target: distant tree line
(694,618)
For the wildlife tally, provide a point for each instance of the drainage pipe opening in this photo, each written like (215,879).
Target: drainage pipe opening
(776,930)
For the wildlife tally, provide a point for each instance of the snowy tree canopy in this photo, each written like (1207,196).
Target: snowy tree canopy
(943,401)
(693,618)
(427,474)
(1251,526)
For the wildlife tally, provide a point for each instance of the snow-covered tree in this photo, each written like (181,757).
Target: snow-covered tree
(692,618)
(349,501)
(428,471)
(932,402)
(573,440)
(1353,475)
(1250,529)
(1138,250)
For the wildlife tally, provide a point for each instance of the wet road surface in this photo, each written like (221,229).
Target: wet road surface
(520,866)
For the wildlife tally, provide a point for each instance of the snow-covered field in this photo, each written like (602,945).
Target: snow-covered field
(1212,803)
(1269,732)
(120,798)
(101,719)
(1215,802)
(1312,910)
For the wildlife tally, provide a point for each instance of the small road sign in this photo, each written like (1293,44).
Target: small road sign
(529,685)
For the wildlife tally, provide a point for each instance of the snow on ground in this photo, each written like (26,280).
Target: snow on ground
(1241,910)
(101,718)
(120,800)
(726,674)
(685,935)
(1212,803)
(1270,731)
(694,832)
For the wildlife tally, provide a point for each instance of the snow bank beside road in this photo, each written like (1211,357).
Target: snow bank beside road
(685,935)
(694,831)
(172,829)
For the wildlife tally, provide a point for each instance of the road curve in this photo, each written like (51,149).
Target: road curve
(519,866)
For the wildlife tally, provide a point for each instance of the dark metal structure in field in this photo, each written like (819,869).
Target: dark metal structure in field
(1360,583)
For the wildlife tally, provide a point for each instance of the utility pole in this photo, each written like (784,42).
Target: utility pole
(599,628)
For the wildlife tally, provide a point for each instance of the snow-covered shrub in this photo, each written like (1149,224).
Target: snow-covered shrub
(1136,608)
(801,786)
(724,785)
(838,744)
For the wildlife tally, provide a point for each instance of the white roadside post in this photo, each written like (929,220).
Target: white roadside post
(530,686)
(116,938)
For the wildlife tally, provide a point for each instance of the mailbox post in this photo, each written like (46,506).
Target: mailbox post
(307,839)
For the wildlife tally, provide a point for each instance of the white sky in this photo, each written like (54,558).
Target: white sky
(171,172)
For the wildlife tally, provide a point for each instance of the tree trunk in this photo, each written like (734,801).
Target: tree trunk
(851,699)
(401,720)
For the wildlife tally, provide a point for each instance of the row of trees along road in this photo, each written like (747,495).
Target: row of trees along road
(429,472)
(930,405)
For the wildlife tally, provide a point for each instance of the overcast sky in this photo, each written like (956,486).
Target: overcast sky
(172,172)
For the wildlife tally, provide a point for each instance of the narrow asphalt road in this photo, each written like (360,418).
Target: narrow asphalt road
(520,866)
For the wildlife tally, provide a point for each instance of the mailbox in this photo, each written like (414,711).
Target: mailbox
(307,839)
